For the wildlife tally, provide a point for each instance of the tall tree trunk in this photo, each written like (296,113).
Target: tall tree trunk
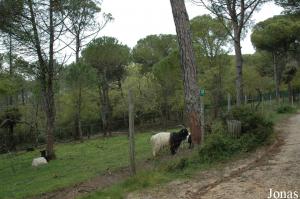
(36,125)
(46,75)
(23,96)
(188,64)
(49,95)
(10,65)
(105,108)
(12,143)
(78,129)
(77,48)
(239,67)
(276,78)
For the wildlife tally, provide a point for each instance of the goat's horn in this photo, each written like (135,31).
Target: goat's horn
(180,125)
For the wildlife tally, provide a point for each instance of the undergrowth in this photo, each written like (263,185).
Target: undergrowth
(218,147)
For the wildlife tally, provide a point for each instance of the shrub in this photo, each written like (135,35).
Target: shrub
(218,146)
(178,165)
(256,129)
(218,127)
(251,120)
(285,109)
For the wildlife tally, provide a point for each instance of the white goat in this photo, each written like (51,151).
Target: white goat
(159,141)
(39,161)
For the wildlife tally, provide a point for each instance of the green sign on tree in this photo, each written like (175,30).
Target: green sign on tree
(202,92)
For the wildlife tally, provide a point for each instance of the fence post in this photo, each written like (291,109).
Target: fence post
(262,103)
(228,102)
(202,121)
(131,133)
(234,128)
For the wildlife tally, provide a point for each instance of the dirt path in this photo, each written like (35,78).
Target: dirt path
(277,168)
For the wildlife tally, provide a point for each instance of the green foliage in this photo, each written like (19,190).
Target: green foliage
(79,74)
(10,117)
(251,119)
(167,73)
(144,87)
(218,146)
(82,13)
(284,108)
(210,35)
(256,130)
(289,6)
(12,84)
(179,165)
(218,126)
(108,56)
(263,83)
(10,10)
(152,49)
(275,34)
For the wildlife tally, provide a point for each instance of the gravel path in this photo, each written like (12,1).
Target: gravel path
(252,178)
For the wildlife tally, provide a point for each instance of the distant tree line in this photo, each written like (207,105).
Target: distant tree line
(41,92)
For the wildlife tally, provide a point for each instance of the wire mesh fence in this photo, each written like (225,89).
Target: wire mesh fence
(27,137)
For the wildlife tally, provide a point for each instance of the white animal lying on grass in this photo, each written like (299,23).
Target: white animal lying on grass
(39,161)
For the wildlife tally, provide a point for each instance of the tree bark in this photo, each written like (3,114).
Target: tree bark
(12,143)
(10,65)
(105,108)
(188,64)
(78,129)
(46,76)
(239,66)
(48,88)
(77,48)
(77,121)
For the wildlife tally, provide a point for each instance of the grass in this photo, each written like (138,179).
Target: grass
(270,110)
(166,172)
(75,163)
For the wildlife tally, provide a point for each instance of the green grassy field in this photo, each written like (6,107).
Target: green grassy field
(75,162)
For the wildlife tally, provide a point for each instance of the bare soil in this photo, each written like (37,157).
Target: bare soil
(275,167)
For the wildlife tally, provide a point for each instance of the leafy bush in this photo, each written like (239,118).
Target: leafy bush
(218,126)
(218,146)
(252,121)
(285,109)
(178,165)
(256,129)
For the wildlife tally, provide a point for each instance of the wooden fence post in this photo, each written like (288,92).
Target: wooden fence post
(131,133)
(202,121)
(228,102)
(262,103)
(234,128)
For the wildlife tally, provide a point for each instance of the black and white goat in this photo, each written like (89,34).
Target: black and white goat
(163,139)
(40,160)
(187,143)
